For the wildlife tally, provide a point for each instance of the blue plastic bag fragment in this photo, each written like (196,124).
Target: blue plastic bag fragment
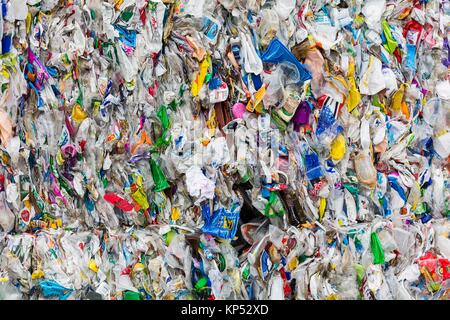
(222,223)
(276,53)
(6,43)
(264,262)
(51,288)
(127,37)
(314,170)
(411,57)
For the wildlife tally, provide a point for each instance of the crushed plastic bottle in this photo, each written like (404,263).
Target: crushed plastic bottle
(224,149)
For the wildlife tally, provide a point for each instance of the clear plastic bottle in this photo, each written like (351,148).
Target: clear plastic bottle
(365,171)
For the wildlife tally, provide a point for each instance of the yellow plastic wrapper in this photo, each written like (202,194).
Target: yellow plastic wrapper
(175,213)
(37,274)
(141,198)
(93,265)
(197,84)
(397,98)
(322,206)
(293,263)
(354,97)
(59,158)
(28,22)
(255,103)
(4,72)
(338,148)
(138,267)
(78,114)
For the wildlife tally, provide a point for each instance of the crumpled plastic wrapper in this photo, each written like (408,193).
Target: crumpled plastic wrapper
(224,149)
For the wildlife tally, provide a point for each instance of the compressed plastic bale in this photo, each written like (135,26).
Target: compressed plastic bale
(224,150)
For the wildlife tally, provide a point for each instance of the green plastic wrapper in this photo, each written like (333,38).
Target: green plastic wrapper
(130,295)
(391,44)
(158,176)
(377,249)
